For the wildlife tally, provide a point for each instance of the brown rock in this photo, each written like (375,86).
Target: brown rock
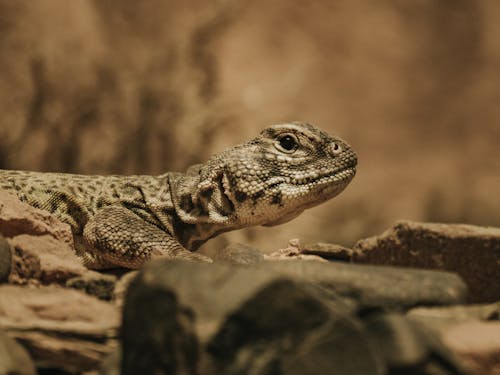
(292,252)
(43,250)
(61,328)
(43,258)
(471,251)
(17,218)
(478,344)
(14,359)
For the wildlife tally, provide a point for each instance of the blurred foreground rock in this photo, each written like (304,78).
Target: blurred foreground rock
(290,317)
(14,359)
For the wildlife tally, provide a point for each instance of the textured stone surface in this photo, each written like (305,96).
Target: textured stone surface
(20,218)
(5,259)
(14,359)
(471,251)
(43,259)
(60,328)
(43,251)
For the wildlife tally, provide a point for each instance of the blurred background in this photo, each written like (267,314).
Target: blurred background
(135,87)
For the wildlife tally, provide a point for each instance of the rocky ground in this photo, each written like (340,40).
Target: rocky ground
(420,298)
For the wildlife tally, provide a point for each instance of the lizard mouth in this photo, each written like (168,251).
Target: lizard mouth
(315,180)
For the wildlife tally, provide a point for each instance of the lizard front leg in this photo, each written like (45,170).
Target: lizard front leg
(116,237)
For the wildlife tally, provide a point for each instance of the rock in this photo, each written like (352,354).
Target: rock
(328,251)
(121,287)
(378,287)
(478,344)
(292,252)
(239,254)
(61,328)
(165,342)
(442,318)
(304,318)
(17,218)
(5,259)
(409,347)
(14,359)
(295,331)
(43,250)
(111,364)
(471,251)
(43,259)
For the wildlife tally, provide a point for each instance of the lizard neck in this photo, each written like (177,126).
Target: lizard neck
(202,208)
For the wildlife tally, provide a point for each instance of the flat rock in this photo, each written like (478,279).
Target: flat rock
(378,287)
(327,251)
(292,252)
(61,328)
(14,359)
(471,251)
(441,318)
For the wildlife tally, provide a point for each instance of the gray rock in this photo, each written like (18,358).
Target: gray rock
(289,327)
(378,287)
(409,347)
(5,259)
(239,254)
(471,251)
(14,359)
(158,333)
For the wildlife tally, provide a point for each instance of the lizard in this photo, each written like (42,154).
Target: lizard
(121,221)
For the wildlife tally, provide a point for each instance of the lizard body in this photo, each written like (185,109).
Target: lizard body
(123,221)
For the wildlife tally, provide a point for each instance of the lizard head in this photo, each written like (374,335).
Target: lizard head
(288,168)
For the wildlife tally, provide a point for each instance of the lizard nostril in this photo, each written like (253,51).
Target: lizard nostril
(335,148)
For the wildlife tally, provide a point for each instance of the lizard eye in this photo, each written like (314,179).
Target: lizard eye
(287,143)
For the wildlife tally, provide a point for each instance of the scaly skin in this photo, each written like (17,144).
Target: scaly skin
(123,221)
